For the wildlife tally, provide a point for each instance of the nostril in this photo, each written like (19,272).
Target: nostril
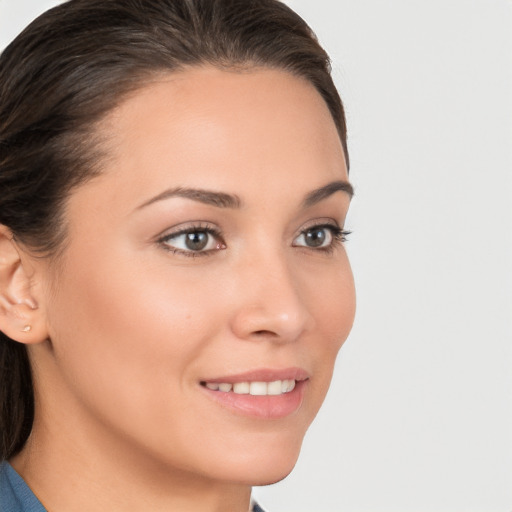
(265,333)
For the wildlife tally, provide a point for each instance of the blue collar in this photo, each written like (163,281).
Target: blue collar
(15,494)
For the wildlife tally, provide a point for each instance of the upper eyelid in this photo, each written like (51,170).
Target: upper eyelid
(326,221)
(334,228)
(187,227)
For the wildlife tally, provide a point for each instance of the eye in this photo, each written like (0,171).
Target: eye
(193,241)
(324,236)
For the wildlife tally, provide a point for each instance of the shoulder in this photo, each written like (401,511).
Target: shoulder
(15,495)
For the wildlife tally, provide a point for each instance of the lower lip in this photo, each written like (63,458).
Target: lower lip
(265,407)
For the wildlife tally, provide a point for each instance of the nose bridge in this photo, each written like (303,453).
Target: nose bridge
(270,298)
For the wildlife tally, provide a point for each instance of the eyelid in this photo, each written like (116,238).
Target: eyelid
(327,222)
(185,227)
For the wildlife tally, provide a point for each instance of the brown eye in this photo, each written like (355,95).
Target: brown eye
(197,240)
(315,237)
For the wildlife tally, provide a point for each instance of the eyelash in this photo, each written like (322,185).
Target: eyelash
(339,236)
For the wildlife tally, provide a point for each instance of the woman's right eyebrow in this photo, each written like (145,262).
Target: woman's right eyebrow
(210,197)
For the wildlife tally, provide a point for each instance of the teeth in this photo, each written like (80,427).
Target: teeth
(258,388)
(276,387)
(291,385)
(241,388)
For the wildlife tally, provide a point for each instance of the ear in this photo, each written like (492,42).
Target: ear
(20,315)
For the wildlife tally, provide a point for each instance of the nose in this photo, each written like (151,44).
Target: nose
(270,302)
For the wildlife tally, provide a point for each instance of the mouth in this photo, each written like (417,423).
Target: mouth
(268,394)
(254,388)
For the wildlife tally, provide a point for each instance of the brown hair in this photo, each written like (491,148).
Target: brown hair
(72,66)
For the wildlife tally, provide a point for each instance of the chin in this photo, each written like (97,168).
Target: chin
(271,479)
(261,476)
(266,466)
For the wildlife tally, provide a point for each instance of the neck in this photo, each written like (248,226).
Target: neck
(71,474)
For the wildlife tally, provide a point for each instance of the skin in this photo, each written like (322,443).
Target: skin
(126,330)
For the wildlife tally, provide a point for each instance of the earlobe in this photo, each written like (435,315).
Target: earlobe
(20,315)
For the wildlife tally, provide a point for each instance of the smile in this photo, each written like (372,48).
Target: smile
(260,393)
(255,388)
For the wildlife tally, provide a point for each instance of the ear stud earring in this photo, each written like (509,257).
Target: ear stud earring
(27,328)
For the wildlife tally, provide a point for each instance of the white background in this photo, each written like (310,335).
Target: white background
(419,416)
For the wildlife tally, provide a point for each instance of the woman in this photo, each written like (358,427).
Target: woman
(174,286)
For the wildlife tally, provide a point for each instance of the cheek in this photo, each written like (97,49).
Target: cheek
(126,335)
(332,303)
(333,308)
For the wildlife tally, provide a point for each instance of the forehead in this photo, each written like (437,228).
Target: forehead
(223,129)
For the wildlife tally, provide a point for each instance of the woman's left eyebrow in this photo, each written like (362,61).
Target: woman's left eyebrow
(319,194)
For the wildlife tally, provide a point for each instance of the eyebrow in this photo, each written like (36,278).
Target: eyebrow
(319,194)
(223,200)
(218,199)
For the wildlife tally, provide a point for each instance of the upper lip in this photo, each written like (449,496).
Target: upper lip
(262,375)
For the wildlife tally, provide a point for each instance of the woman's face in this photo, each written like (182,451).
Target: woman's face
(204,263)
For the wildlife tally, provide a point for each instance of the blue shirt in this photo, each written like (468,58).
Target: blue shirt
(16,496)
